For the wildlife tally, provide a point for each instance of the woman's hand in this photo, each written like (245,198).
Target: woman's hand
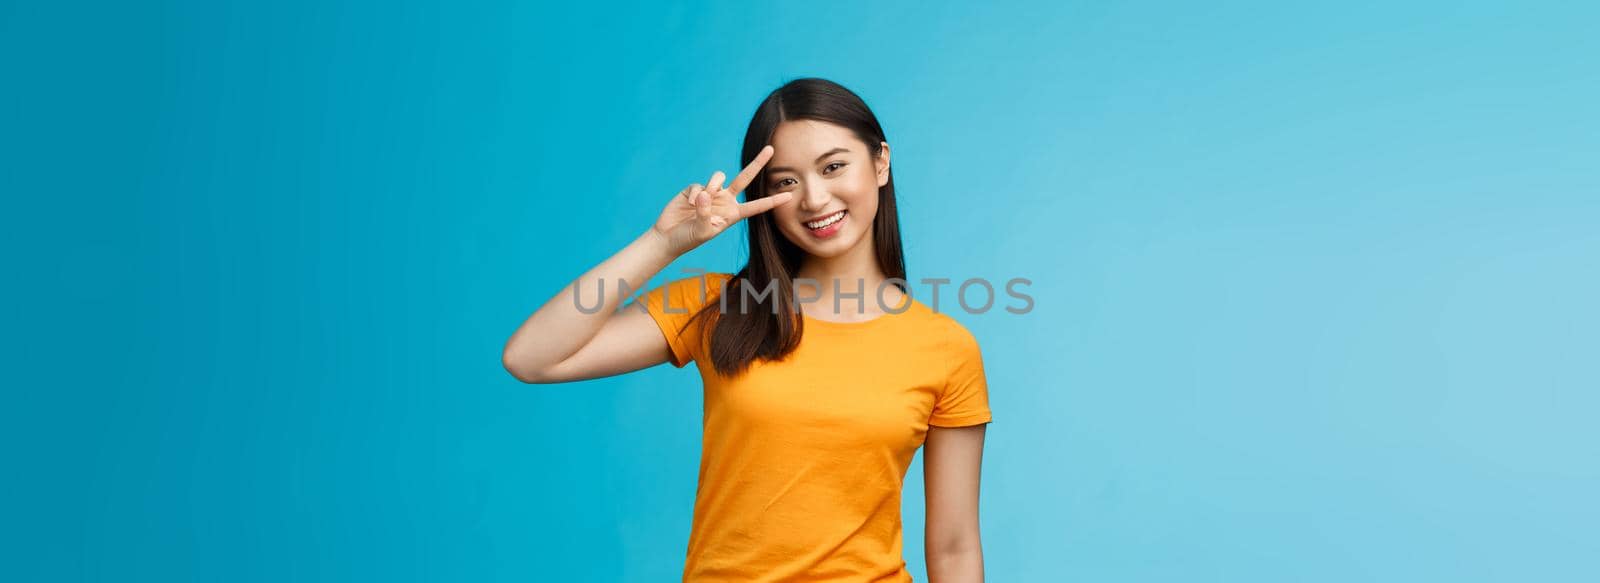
(698,213)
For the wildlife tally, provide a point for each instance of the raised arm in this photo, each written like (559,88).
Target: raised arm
(561,343)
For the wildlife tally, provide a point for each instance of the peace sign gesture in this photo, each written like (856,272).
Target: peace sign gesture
(698,213)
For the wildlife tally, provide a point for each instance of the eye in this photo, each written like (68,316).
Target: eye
(782,182)
(829,168)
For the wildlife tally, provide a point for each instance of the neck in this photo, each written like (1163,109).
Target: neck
(856,271)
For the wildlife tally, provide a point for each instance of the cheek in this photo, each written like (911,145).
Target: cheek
(863,194)
(787,221)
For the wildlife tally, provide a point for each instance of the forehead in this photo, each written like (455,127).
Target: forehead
(799,142)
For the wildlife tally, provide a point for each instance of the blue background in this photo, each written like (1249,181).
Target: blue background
(1315,284)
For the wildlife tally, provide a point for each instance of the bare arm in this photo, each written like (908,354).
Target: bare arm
(562,343)
(952,460)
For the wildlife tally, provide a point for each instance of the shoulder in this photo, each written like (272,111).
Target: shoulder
(952,334)
(687,292)
(711,278)
(711,281)
(714,281)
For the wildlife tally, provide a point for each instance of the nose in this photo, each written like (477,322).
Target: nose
(812,197)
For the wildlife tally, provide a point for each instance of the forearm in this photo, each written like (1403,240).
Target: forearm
(558,329)
(964,566)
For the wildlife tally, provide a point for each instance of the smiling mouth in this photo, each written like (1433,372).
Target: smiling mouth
(825,222)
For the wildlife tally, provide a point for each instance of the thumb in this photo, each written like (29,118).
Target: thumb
(702,203)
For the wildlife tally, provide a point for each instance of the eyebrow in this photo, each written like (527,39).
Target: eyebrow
(819,160)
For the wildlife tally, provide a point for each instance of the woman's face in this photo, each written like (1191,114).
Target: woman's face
(834,180)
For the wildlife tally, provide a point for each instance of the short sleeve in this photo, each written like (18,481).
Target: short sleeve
(965,399)
(673,304)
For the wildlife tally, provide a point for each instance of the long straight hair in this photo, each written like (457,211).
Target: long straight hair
(772,328)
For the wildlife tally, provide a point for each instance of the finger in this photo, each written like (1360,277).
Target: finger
(749,173)
(715,184)
(764,204)
(702,201)
(688,192)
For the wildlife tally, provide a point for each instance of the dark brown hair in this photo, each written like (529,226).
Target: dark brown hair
(739,336)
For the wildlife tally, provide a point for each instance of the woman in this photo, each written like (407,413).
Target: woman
(822,375)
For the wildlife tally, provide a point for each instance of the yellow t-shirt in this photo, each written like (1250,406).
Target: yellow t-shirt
(802,460)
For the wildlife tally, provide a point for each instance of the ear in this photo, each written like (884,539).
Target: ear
(882,163)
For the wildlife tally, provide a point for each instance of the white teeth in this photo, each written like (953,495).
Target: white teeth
(825,222)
